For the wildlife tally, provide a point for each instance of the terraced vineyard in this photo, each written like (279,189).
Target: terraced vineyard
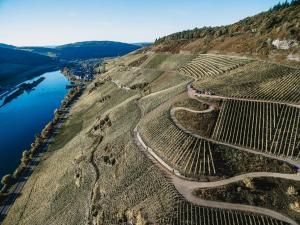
(190,155)
(187,213)
(257,80)
(206,65)
(268,127)
(193,156)
(153,100)
(284,89)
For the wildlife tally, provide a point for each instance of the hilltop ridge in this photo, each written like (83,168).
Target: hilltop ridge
(274,34)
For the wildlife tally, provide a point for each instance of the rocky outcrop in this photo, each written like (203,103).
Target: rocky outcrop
(284,44)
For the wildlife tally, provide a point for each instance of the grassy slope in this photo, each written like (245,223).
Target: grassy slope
(52,196)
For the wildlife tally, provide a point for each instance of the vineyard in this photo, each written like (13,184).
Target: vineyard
(137,145)
(210,65)
(155,99)
(192,156)
(257,80)
(187,213)
(137,182)
(266,127)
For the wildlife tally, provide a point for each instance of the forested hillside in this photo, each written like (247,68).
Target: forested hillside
(16,65)
(86,50)
(274,34)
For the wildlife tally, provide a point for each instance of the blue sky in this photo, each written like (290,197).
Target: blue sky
(53,22)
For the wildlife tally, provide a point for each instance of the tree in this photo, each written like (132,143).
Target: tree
(6,180)
(25,157)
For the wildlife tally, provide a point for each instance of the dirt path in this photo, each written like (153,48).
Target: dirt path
(280,158)
(185,186)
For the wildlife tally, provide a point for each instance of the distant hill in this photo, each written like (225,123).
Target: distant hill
(16,56)
(7,46)
(17,65)
(86,50)
(274,34)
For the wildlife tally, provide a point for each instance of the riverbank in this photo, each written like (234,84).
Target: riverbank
(29,112)
(9,85)
(13,183)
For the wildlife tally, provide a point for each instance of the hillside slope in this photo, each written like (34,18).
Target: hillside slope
(274,34)
(17,65)
(96,172)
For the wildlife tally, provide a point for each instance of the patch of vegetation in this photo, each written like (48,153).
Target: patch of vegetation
(139,61)
(17,66)
(86,50)
(67,132)
(191,104)
(202,124)
(271,128)
(156,61)
(167,80)
(278,194)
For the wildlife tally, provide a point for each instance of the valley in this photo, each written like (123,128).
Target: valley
(128,141)
(200,127)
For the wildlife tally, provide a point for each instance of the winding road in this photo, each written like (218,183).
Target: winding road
(186,186)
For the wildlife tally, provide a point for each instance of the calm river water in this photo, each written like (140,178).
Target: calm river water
(26,115)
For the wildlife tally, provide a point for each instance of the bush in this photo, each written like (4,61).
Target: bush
(7,180)
(25,157)
(18,171)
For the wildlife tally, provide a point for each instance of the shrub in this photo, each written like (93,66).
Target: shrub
(18,171)
(25,157)
(7,180)
(291,191)
(248,182)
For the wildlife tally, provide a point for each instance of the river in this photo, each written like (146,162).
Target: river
(26,115)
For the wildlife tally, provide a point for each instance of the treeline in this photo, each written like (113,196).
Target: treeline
(259,24)
(284,5)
